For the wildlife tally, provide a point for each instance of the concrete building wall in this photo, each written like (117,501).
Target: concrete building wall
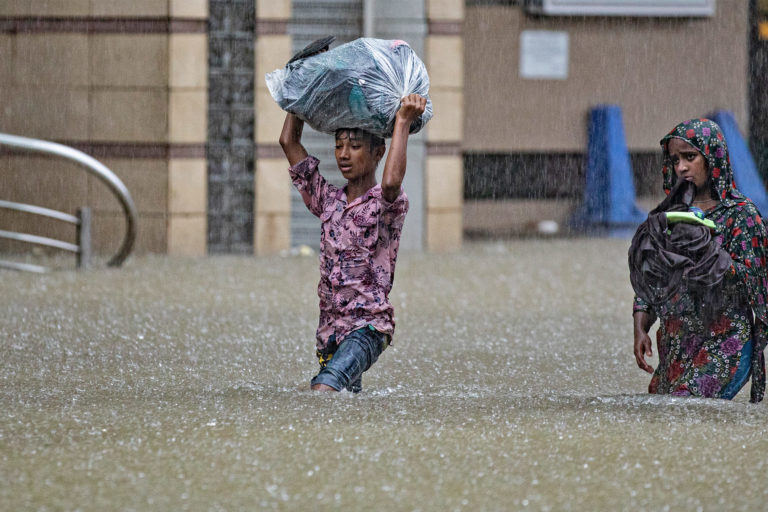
(126,82)
(660,71)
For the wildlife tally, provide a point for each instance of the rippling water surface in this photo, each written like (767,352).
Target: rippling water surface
(176,384)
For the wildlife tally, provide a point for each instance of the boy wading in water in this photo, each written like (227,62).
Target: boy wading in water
(361,226)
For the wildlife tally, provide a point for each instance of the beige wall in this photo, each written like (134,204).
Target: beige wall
(137,92)
(80,88)
(272,185)
(123,8)
(660,71)
(444,166)
(187,220)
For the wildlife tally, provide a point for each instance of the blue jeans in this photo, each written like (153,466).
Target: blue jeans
(359,350)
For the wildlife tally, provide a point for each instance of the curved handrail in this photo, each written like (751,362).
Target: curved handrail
(40,240)
(39,210)
(95,167)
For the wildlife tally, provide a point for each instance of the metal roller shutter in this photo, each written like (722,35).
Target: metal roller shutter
(313,20)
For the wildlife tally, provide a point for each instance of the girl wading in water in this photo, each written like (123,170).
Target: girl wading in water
(709,343)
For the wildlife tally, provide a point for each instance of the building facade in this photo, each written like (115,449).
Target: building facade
(126,82)
(525,138)
(170,94)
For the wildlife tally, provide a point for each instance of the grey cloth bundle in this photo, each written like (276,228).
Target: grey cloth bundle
(666,259)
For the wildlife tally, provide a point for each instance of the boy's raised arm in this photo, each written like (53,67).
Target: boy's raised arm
(290,139)
(411,107)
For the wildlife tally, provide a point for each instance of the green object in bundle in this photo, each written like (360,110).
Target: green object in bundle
(357,103)
(689,217)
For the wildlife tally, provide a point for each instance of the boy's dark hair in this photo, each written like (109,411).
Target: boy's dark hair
(357,134)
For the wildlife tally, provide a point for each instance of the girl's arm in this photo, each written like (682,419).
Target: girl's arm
(643,346)
(290,139)
(411,107)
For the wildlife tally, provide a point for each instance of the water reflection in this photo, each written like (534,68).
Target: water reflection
(183,384)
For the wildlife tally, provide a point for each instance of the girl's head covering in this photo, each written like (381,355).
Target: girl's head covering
(707,137)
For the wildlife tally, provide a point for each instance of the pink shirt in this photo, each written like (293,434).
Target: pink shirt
(358,250)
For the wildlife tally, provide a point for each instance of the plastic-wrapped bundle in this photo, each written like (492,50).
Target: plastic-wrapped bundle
(356,85)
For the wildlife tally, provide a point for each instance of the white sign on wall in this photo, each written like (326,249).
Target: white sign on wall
(543,54)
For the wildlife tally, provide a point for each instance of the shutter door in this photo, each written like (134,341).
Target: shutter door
(313,19)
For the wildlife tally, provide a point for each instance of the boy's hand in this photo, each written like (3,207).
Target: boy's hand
(411,107)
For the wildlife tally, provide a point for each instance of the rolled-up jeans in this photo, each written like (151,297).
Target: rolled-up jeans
(359,350)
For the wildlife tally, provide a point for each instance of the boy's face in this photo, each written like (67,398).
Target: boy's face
(355,155)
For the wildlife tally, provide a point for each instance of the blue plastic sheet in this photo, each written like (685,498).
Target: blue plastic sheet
(745,172)
(609,195)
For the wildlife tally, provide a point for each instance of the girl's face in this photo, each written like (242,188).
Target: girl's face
(688,163)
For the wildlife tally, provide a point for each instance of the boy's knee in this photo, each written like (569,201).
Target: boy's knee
(326,380)
(354,356)
(322,387)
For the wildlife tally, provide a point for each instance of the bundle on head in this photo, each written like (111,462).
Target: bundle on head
(358,84)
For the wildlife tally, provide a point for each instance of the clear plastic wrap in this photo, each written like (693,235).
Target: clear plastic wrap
(356,85)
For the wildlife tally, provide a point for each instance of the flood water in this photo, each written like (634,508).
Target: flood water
(182,384)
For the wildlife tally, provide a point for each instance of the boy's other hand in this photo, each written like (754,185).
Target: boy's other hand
(411,107)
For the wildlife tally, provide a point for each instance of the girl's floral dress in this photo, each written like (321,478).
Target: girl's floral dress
(705,352)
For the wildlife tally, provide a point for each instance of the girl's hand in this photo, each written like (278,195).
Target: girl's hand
(642,349)
(642,324)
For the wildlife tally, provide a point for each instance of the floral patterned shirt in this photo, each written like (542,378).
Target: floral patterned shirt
(358,249)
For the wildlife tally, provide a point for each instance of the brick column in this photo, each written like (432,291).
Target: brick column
(444,173)
(272,215)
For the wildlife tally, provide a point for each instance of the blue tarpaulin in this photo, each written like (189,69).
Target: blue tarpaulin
(745,172)
(609,195)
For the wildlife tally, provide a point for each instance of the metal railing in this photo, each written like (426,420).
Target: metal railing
(83,218)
